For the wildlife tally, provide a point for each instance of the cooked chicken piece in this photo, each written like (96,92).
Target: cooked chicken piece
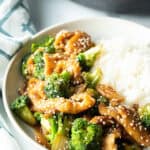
(103,120)
(59,56)
(76,104)
(80,42)
(49,64)
(110,139)
(128,118)
(72,66)
(80,88)
(108,121)
(108,92)
(30,65)
(40,138)
(35,90)
(62,38)
(73,42)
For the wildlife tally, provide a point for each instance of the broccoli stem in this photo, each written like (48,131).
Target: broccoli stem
(92,78)
(61,140)
(26,115)
(20,107)
(57,85)
(88,58)
(144,114)
(85,135)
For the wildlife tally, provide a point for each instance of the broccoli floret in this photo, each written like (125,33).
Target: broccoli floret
(38,60)
(53,127)
(38,116)
(92,78)
(88,58)
(24,69)
(60,126)
(85,135)
(57,85)
(144,113)
(56,129)
(38,65)
(21,109)
(47,44)
(48,124)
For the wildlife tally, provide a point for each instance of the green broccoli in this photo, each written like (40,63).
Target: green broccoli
(144,113)
(88,58)
(48,124)
(57,85)
(21,109)
(57,128)
(103,100)
(48,47)
(92,78)
(38,60)
(38,116)
(61,138)
(24,70)
(47,44)
(85,135)
(38,65)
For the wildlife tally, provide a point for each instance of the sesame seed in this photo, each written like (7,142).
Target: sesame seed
(145,129)
(121,120)
(131,124)
(134,128)
(147,140)
(140,128)
(130,133)
(118,117)
(141,138)
(104,123)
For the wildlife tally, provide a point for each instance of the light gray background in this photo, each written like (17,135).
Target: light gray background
(48,12)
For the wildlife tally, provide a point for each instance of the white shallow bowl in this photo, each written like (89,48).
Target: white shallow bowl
(98,28)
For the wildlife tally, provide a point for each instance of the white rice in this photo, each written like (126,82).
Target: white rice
(126,67)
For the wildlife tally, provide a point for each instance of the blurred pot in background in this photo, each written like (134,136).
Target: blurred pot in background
(119,6)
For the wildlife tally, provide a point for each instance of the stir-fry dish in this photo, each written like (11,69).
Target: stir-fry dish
(64,100)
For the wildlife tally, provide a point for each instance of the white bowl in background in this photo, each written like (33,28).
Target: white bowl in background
(98,28)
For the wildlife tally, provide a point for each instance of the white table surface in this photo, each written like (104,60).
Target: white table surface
(48,12)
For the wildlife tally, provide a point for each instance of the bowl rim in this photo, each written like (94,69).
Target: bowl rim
(17,128)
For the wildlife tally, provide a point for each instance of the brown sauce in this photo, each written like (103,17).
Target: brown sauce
(39,137)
